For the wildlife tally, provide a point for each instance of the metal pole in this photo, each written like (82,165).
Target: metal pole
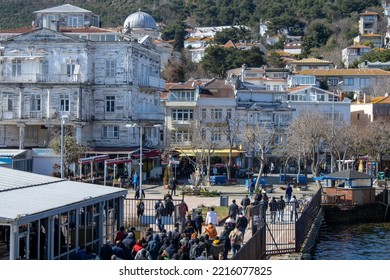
(62,147)
(140,161)
(331,152)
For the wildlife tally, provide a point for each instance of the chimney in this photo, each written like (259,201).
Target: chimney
(243,72)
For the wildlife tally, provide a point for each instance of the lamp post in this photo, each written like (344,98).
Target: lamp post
(333,121)
(63,120)
(140,149)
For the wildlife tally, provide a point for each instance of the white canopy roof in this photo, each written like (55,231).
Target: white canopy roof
(23,193)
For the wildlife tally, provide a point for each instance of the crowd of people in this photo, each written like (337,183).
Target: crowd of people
(197,240)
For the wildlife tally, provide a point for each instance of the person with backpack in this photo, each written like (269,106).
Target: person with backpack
(140,208)
(235,237)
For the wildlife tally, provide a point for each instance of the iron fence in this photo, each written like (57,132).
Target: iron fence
(282,231)
(143,214)
(305,221)
(254,248)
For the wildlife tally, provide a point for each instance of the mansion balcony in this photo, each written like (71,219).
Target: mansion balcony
(151,83)
(180,123)
(149,117)
(41,78)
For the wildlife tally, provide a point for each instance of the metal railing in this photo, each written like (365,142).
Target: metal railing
(272,234)
(254,248)
(42,78)
(135,216)
(307,218)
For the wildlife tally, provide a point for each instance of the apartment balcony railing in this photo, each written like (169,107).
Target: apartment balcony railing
(149,116)
(41,78)
(182,122)
(151,82)
(36,115)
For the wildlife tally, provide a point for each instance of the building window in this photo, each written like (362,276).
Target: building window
(7,102)
(110,104)
(216,136)
(70,67)
(110,132)
(36,102)
(110,67)
(45,67)
(229,114)
(181,136)
(16,67)
(349,81)
(182,96)
(182,115)
(333,81)
(204,114)
(364,82)
(75,20)
(64,102)
(216,114)
(48,19)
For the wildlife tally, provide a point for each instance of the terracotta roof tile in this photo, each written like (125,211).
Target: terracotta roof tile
(190,84)
(19,30)
(230,44)
(346,72)
(359,47)
(310,60)
(368,13)
(217,88)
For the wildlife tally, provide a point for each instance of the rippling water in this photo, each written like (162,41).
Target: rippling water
(353,242)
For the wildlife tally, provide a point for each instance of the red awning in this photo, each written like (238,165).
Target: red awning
(118,161)
(148,154)
(88,160)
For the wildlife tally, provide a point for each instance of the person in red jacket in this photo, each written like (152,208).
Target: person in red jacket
(137,247)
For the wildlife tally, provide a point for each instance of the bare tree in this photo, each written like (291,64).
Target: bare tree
(259,139)
(307,133)
(72,150)
(202,146)
(375,138)
(230,129)
(379,86)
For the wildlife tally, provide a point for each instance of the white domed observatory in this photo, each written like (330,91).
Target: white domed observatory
(140,24)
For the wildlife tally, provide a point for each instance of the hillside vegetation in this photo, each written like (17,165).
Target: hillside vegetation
(292,13)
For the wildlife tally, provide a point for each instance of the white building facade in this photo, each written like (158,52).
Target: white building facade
(99,85)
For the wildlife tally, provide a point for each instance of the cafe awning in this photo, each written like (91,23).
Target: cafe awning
(118,161)
(215,153)
(89,160)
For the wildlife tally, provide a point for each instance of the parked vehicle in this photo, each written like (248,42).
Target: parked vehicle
(218,180)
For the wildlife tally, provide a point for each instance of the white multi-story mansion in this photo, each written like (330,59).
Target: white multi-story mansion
(100,84)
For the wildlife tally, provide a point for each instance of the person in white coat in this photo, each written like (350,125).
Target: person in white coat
(211,217)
